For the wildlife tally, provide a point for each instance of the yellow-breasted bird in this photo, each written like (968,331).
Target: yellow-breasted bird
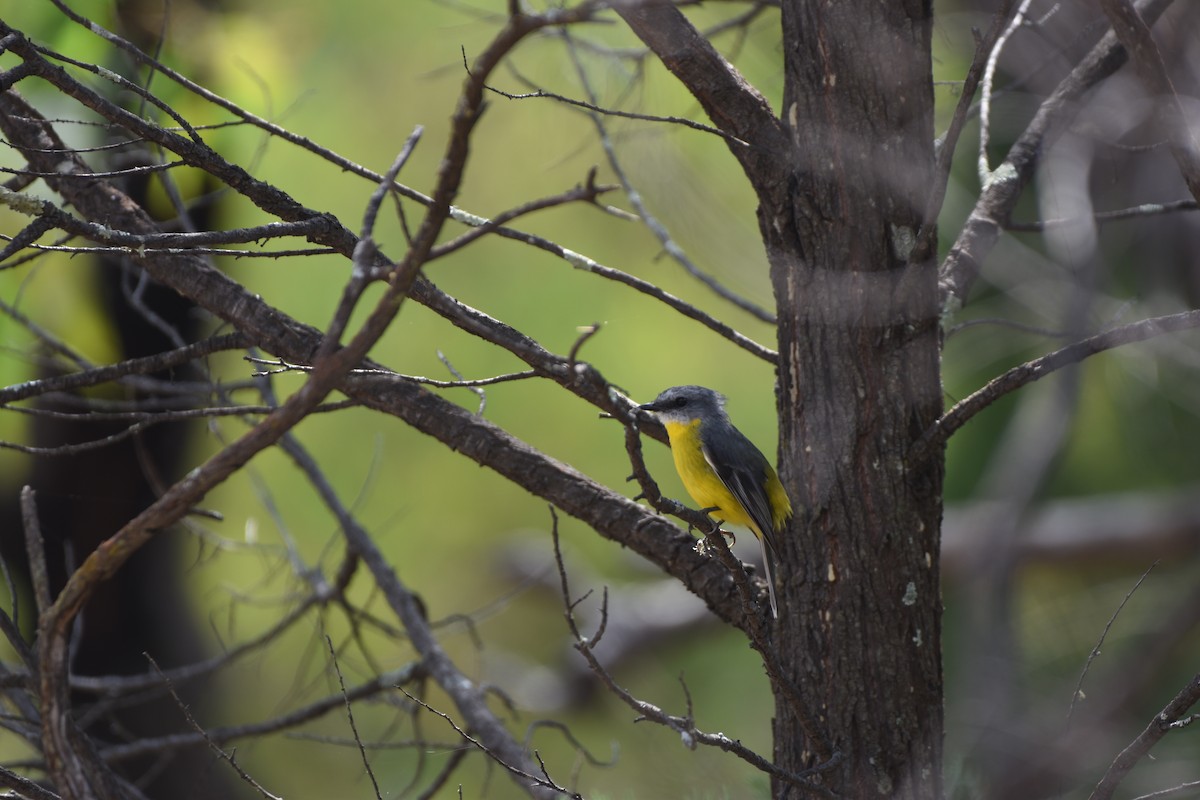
(721,469)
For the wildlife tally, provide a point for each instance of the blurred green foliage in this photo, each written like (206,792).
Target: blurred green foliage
(358,78)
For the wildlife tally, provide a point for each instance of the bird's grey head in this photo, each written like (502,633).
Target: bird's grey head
(686,403)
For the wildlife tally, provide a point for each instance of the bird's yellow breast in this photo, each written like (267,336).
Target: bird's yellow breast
(704,485)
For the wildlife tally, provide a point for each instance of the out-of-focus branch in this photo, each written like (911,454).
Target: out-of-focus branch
(71,758)
(948,143)
(1103,217)
(685,726)
(133,366)
(1108,528)
(988,78)
(668,243)
(1039,368)
(609,513)
(1163,722)
(94,195)
(982,229)
(373,687)
(1134,34)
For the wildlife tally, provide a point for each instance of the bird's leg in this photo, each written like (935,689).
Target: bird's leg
(717,523)
(703,544)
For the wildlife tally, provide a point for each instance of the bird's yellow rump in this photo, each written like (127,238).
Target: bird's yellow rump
(721,469)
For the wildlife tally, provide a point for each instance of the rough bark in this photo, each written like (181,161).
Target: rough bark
(842,181)
(858,383)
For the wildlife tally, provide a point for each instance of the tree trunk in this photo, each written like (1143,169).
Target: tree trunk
(858,383)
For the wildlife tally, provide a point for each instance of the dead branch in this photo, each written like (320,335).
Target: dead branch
(1162,723)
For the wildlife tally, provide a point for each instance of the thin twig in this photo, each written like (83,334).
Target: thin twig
(615,112)
(35,550)
(541,781)
(1078,695)
(477,389)
(228,757)
(362,751)
(652,223)
(1101,217)
(588,192)
(53,215)
(684,726)
(372,687)
(286,366)
(1190,786)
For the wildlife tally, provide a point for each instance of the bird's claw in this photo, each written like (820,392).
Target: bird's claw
(704,545)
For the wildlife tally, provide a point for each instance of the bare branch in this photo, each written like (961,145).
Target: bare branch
(362,751)
(135,366)
(24,787)
(1101,217)
(227,757)
(685,726)
(588,192)
(1034,370)
(989,73)
(461,383)
(1149,737)
(541,781)
(1000,194)
(374,686)
(1190,786)
(985,49)
(1134,34)
(35,550)
(1078,694)
(590,105)
(728,99)
(660,232)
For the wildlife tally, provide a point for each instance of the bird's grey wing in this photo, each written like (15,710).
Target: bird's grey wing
(743,469)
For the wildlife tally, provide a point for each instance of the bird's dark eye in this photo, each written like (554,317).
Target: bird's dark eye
(680,402)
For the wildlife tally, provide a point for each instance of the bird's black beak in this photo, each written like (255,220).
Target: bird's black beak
(649,407)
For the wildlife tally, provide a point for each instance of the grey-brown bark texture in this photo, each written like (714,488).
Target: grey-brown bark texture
(858,383)
(841,199)
(843,180)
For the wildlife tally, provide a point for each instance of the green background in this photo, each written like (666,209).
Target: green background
(358,78)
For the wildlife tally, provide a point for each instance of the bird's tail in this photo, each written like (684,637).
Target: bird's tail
(769,573)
